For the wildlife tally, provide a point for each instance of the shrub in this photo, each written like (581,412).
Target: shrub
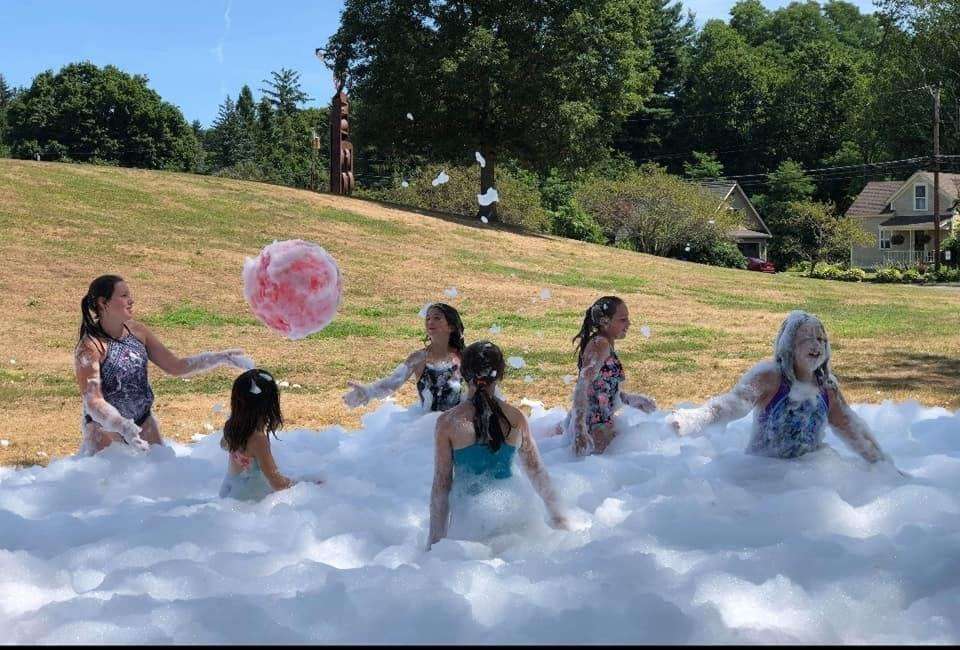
(912,275)
(722,252)
(853,275)
(519,203)
(888,274)
(571,221)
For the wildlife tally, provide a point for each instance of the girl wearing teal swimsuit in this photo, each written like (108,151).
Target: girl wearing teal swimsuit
(478,440)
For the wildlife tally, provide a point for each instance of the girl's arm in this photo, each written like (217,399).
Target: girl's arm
(537,473)
(639,401)
(361,394)
(442,482)
(593,356)
(851,428)
(171,364)
(756,386)
(259,447)
(87,367)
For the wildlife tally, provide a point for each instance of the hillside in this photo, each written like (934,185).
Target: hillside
(180,241)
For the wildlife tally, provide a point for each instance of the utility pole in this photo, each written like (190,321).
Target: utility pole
(936,178)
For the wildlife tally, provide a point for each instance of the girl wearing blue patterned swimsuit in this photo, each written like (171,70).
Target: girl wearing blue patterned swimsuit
(111,368)
(477,441)
(793,397)
(598,394)
(437,366)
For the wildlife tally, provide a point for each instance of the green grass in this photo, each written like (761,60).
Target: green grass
(192,316)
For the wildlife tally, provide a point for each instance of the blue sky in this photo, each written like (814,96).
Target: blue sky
(196,52)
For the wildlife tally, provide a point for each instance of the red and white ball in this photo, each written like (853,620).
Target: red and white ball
(293,287)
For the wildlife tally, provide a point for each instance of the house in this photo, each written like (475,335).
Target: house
(898,215)
(753,236)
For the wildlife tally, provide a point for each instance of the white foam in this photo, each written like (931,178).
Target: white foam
(674,541)
(480,159)
(441,178)
(516,362)
(488,197)
(451,292)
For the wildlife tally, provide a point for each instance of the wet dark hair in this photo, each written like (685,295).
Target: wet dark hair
(452,317)
(254,406)
(102,287)
(604,307)
(483,366)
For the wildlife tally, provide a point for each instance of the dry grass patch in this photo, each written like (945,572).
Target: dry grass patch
(181,240)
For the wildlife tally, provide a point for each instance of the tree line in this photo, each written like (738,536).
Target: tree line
(802,105)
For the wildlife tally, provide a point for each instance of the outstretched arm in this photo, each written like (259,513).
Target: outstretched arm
(756,386)
(851,428)
(87,367)
(171,364)
(361,394)
(537,473)
(639,401)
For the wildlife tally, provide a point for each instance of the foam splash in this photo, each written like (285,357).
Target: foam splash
(674,541)
(516,362)
(441,178)
(480,159)
(488,197)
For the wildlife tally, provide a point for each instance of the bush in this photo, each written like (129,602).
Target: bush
(888,274)
(519,203)
(571,221)
(825,271)
(913,276)
(723,252)
(853,275)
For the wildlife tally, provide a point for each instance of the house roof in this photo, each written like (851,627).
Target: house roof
(744,233)
(722,189)
(917,220)
(874,198)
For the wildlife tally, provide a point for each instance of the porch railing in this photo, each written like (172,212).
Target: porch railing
(874,257)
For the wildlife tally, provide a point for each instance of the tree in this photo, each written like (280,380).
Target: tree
(284,92)
(786,187)
(706,167)
(815,233)
(6,94)
(547,82)
(100,114)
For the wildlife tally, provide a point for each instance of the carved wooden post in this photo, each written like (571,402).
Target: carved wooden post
(341,149)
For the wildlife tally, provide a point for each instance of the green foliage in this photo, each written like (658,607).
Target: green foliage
(812,231)
(654,212)
(519,195)
(571,221)
(706,167)
(720,252)
(93,114)
(913,275)
(549,83)
(854,275)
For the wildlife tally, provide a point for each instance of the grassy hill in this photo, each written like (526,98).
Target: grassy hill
(180,241)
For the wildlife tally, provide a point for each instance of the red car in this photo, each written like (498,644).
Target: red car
(757,264)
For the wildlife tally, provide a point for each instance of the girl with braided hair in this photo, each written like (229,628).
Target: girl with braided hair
(598,394)
(110,361)
(477,440)
(436,366)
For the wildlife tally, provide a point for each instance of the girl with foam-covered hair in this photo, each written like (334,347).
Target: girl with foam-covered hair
(436,366)
(476,443)
(110,361)
(793,396)
(598,393)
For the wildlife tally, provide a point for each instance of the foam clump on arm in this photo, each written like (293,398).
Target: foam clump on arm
(171,364)
(851,428)
(536,471)
(639,401)
(87,366)
(442,482)
(753,385)
(361,394)
(577,426)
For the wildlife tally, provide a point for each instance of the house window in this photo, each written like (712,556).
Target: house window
(919,197)
(884,239)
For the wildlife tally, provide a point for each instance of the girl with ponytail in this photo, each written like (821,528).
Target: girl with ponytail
(477,440)
(597,394)
(110,361)
(436,366)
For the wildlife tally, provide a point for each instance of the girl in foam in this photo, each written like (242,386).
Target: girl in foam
(254,414)
(476,442)
(110,361)
(598,392)
(793,396)
(437,366)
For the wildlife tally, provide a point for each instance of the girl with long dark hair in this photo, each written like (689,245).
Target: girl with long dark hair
(793,396)
(254,414)
(598,393)
(110,361)
(477,440)
(436,366)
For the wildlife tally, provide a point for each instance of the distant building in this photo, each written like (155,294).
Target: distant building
(753,237)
